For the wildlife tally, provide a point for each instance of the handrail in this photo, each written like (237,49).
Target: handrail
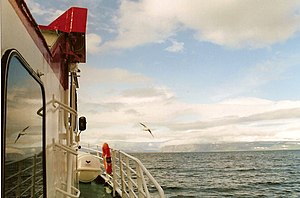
(68,136)
(75,195)
(65,148)
(62,105)
(130,178)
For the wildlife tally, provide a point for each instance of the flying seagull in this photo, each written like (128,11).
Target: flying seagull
(146,128)
(21,133)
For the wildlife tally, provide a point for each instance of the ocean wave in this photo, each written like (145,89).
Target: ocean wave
(230,174)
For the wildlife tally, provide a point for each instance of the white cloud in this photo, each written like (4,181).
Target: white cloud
(116,114)
(48,14)
(281,114)
(231,23)
(254,77)
(135,98)
(36,8)
(242,23)
(175,47)
(92,75)
(93,43)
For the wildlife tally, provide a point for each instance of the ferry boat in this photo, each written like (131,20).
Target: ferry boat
(41,153)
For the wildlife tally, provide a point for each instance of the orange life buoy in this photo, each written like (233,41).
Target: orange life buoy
(106,158)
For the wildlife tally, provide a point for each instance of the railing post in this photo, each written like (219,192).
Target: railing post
(123,187)
(144,183)
(33,176)
(129,177)
(19,180)
(114,172)
(139,180)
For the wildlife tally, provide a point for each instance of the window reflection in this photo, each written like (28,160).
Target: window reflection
(23,125)
(24,132)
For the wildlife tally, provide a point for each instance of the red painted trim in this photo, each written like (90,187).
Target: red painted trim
(73,22)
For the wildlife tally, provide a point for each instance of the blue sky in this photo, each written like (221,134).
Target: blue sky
(192,71)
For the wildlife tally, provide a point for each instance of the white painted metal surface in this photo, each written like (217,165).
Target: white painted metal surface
(130,178)
(15,36)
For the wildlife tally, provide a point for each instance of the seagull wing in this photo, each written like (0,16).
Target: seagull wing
(21,133)
(18,137)
(146,129)
(25,128)
(150,132)
(143,125)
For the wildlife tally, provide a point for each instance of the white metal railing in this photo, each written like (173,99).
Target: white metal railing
(24,178)
(66,148)
(129,178)
(69,191)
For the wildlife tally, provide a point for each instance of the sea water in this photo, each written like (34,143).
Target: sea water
(226,174)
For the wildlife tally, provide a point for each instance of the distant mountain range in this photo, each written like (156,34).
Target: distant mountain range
(234,146)
(144,147)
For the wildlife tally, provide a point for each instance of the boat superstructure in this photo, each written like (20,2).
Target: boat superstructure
(40,128)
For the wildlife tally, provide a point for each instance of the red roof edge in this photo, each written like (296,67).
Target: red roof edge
(73,20)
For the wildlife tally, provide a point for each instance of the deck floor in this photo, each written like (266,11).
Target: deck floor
(94,190)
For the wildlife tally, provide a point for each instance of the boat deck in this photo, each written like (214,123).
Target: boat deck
(95,190)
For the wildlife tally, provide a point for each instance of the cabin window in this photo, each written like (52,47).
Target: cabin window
(23,132)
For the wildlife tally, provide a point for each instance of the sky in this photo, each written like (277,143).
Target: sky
(193,71)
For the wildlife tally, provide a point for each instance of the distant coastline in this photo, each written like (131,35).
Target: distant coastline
(155,147)
(234,146)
